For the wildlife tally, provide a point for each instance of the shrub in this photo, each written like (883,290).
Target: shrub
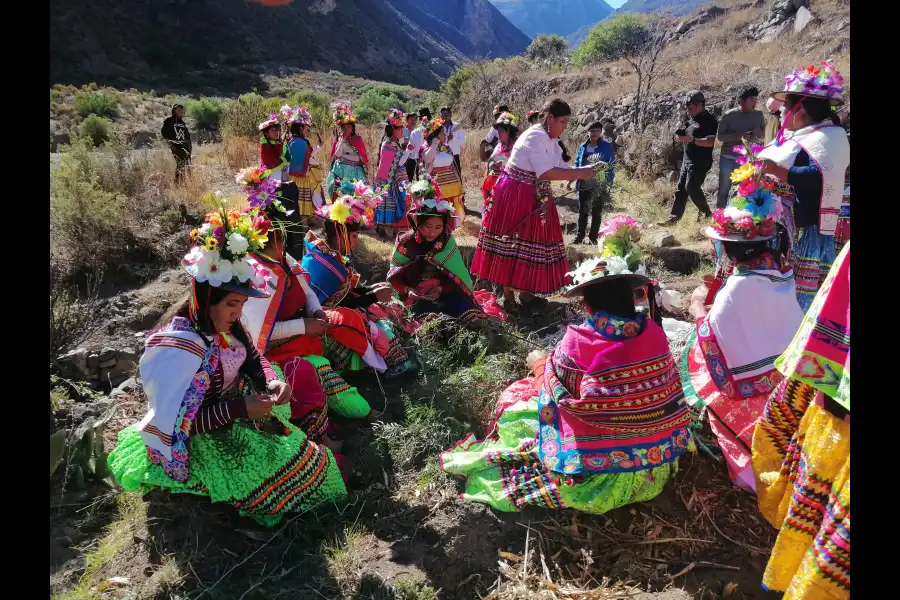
(456,84)
(96,128)
(102,104)
(87,222)
(206,113)
(73,314)
(241,117)
(374,101)
(548,48)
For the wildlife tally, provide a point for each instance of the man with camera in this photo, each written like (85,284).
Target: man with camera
(699,137)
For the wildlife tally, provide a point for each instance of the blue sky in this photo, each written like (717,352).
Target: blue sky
(615,3)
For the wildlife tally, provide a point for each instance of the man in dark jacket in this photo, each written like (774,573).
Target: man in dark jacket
(699,137)
(175,132)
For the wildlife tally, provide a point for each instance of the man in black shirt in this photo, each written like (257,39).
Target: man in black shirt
(699,137)
(175,132)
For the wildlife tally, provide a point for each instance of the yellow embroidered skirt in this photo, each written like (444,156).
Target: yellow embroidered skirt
(311,193)
(801,457)
(452,190)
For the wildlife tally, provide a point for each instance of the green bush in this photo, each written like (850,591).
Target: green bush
(241,117)
(456,84)
(206,113)
(87,221)
(95,128)
(102,104)
(374,101)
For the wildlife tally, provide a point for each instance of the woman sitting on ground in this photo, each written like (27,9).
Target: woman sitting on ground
(392,175)
(209,392)
(439,164)
(289,326)
(801,451)
(600,425)
(507,128)
(329,262)
(427,269)
(729,368)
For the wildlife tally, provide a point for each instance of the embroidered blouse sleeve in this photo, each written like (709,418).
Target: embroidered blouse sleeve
(217,416)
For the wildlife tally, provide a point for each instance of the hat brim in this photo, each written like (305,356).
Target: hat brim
(245,290)
(783,97)
(712,233)
(578,290)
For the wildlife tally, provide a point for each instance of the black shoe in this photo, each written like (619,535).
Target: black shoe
(670,222)
(579,239)
(592,241)
(701,218)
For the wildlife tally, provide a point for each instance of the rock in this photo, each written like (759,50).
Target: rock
(93,361)
(108,354)
(129,385)
(165,279)
(663,239)
(627,100)
(61,413)
(107,364)
(802,19)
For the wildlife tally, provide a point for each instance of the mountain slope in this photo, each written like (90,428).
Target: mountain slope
(677,7)
(175,43)
(552,16)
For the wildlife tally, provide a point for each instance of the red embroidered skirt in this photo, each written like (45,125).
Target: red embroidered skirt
(521,243)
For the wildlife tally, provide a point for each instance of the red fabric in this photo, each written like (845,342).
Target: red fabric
(488,303)
(356,142)
(517,247)
(270,155)
(349,329)
(306,390)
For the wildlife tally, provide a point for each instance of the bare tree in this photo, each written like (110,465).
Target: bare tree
(637,39)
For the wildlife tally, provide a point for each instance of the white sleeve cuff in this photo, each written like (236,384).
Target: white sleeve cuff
(286,329)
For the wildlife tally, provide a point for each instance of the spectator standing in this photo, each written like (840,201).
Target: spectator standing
(175,132)
(742,121)
(455,136)
(593,194)
(412,141)
(699,137)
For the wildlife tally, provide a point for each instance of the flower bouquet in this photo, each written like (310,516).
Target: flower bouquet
(426,195)
(618,237)
(754,208)
(221,247)
(251,177)
(356,205)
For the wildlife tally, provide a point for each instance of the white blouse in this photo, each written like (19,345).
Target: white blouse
(434,157)
(535,151)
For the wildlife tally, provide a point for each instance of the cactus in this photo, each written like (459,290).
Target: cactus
(83,450)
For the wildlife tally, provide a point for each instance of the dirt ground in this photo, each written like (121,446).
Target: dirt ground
(404,533)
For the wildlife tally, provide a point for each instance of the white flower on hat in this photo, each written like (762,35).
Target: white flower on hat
(420,187)
(237,244)
(242,270)
(205,229)
(616,265)
(214,269)
(734,213)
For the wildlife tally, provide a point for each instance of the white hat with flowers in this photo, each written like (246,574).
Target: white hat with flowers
(619,256)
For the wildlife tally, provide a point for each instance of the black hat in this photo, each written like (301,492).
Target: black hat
(695,97)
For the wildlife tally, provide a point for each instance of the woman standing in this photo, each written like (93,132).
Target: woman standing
(520,245)
(506,127)
(349,161)
(440,164)
(801,451)
(809,158)
(303,168)
(271,147)
(392,175)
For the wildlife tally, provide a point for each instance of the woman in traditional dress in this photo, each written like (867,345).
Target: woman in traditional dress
(210,392)
(439,164)
(392,175)
(271,146)
(842,232)
(289,325)
(507,129)
(349,161)
(809,162)
(728,369)
(427,271)
(520,245)
(329,262)
(600,425)
(801,451)
(303,168)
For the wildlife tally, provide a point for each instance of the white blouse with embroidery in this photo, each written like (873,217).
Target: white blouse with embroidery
(535,151)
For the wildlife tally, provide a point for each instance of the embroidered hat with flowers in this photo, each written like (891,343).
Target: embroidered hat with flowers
(220,255)
(816,81)
(431,126)
(355,206)
(620,257)
(506,119)
(396,118)
(427,200)
(343,114)
(299,115)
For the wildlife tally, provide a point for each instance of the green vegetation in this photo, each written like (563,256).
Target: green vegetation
(97,129)
(551,49)
(102,104)
(206,113)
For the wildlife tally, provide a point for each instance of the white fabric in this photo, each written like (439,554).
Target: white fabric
(536,152)
(434,157)
(167,374)
(416,138)
(491,135)
(754,319)
(828,147)
(371,357)
(312,157)
(231,358)
(287,329)
(256,309)
(459,138)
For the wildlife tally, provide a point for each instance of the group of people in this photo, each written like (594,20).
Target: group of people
(244,379)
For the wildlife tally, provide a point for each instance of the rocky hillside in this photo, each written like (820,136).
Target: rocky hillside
(551,16)
(182,45)
(676,7)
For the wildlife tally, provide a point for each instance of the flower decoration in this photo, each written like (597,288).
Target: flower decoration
(749,222)
(396,118)
(272,121)
(427,198)
(299,115)
(356,205)
(251,176)
(343,113)
(508,119)
(432,125)
(822,81)
(619,252)
(754,208)
(220,253)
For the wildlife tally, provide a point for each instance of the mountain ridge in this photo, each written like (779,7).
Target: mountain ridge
(534,17)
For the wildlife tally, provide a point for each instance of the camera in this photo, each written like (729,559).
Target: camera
(681,132)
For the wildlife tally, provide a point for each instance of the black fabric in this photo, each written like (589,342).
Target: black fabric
(174,130)
(458,166)
(359,297)
(807,184)
(411,169)
(690,184)
(701,126)
(182,162)
(590,203)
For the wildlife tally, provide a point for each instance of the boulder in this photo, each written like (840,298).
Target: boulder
(802,19)
(662,239)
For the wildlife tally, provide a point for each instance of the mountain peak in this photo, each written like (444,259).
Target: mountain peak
(552,16)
